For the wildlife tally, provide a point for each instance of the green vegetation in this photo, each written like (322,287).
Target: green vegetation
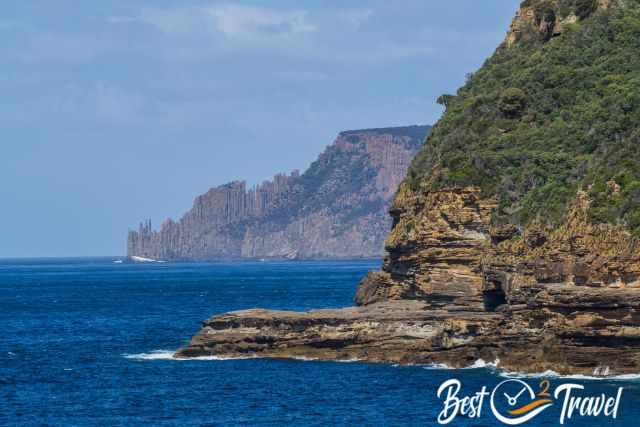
(585,8)
(512,103)
(547,117)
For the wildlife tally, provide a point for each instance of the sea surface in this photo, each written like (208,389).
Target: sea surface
(88,342)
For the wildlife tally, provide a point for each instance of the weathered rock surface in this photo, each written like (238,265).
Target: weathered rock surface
(336,209)
(393,331)
(451,292)
(548,17)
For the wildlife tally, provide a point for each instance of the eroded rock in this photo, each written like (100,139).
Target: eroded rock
(449,294)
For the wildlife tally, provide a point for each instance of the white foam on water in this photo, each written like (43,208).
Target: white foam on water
(154,355)
(143,259)
(315,359)
(438,366)
(170,355)
(478,364)
(601,373)
(350,360)
(304,359)
(553,374)
(217,358)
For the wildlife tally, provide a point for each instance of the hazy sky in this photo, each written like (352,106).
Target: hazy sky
(113,111)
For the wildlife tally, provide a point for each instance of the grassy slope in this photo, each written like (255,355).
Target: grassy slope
(544,118)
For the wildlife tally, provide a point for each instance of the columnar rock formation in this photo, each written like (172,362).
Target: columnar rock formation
(492,271)
(336,209)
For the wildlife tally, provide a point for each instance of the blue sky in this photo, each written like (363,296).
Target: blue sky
(119,110)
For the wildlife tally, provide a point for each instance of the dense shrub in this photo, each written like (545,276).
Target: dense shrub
(542,119)
(584,8)
(512,102)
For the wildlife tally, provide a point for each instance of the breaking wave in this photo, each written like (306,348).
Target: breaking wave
(478,364)
(599,374)
(553,374)
(169,355)
(154,355)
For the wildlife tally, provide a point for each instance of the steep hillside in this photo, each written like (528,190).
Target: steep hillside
(554,110)
(335,209)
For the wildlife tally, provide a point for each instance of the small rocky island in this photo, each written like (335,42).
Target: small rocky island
(515,232)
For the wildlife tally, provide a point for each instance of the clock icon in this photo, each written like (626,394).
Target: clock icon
(522,403)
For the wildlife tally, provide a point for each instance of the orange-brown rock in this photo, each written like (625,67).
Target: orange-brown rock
(545,17)
(452,292)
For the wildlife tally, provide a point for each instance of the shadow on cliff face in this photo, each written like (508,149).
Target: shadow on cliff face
(494,299)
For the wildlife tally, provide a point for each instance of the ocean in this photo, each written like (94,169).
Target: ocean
(88,342)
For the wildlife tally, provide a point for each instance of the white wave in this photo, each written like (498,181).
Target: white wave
(480,364)
(170,355)
(439,366)
(219,358)
(154,355)
(598,373)
(554,374)
(304,358)
(354,360)
(316,359)
(143,259)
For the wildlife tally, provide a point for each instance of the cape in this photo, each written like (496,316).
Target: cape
(515,232)
(336,209)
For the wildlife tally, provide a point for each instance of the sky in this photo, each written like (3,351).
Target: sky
(115,111)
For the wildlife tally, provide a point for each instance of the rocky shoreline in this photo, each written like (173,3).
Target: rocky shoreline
(448,294)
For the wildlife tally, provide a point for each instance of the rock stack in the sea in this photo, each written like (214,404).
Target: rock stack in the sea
(335,209)
(515,233)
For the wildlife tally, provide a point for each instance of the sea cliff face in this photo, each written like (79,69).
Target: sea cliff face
(503,246)
(452,290)
(335,209)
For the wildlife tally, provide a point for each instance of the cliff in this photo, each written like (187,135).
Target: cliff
(335,209)
(515,233)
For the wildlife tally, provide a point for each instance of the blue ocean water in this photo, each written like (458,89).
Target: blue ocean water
(85,342)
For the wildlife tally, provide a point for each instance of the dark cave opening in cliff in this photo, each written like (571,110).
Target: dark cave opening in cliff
(493,299)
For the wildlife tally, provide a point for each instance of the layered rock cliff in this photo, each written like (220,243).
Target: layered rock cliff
(335,209)
(513,236)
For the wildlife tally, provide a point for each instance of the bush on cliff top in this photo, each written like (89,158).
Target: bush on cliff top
(542,119)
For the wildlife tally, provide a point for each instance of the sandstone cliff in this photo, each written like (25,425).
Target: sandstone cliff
(452,291)
(538,265)
(335,209)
